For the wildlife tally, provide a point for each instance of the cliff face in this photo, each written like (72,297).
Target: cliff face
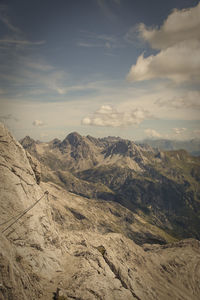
(73,247)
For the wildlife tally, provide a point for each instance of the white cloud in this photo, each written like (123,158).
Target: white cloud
(4,18)
(179,131)
(106,115)
(38,123)
(179,63)
(152,133)
(178,40)
(181,25)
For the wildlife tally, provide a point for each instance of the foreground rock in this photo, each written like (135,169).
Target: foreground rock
(71,247)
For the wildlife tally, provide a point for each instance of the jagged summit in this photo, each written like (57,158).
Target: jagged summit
(83,152)
(55,143)
(27,141)
(124,148)
(73,138)
(74,134)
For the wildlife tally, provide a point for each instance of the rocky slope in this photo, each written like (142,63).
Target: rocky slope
(71,247)
(163,187)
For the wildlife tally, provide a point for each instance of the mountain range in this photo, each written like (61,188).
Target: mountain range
(161,186)
(92,219)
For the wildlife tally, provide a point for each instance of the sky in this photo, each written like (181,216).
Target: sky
(128,68)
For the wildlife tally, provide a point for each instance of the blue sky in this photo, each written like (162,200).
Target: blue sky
(100,67)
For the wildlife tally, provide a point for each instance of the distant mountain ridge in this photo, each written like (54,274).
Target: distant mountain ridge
(192,146)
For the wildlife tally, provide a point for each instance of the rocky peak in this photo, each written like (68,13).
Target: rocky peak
(55,143)
(79,148)
(94,140)
(121,147)
(124,148)
(27,142)
(74,138)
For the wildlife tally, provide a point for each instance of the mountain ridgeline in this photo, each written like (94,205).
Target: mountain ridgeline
(163,187)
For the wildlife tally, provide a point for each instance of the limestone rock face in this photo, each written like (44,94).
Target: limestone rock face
(72,247)
(35,165)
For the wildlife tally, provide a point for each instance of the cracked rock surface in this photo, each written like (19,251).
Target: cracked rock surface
(72,247)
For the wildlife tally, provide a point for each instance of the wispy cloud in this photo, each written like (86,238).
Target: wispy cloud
(108,8)
(21,42)
(89,45)
(91,39)
(5,19)
(37,65)
(15,36)
(54,80)
(189,100)
(132,36)
(31,76)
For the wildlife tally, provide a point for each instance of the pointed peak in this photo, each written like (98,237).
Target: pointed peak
(27,141)
(73,138)
(75,134)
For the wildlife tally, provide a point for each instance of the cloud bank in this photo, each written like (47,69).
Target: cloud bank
(178,42)
(106,115)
